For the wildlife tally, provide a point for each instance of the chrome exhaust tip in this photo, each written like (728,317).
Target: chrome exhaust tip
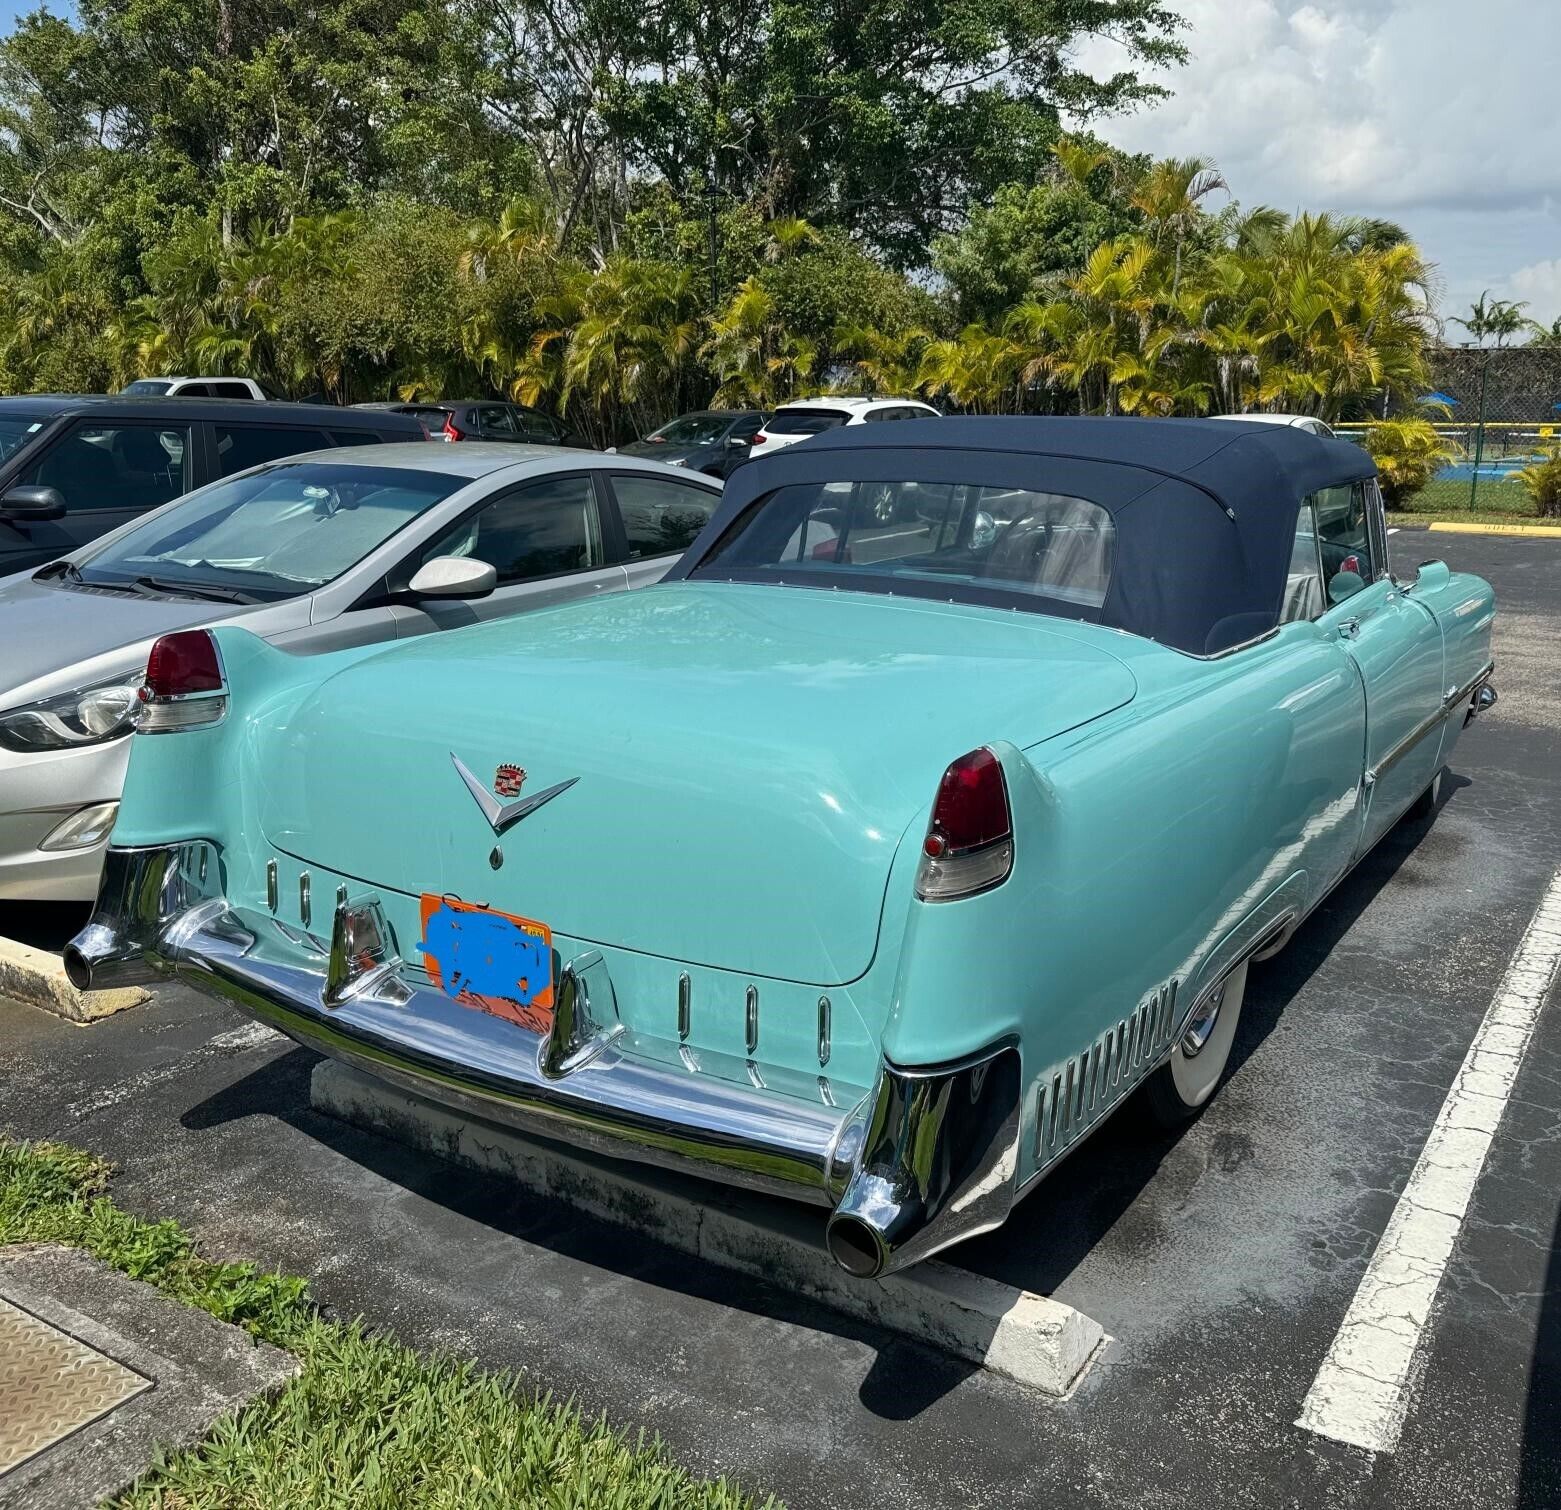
(856,1246)
(938,1163)
(98,959)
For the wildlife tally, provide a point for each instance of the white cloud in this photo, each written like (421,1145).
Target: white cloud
(1431,112)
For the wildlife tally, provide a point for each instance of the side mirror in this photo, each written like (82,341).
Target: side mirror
(1344,584)
(1431,575)
(738,442)
(27,504)
(453,577)
(983,532)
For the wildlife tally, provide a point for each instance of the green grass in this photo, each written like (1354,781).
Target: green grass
(368,1424)
(1496,503)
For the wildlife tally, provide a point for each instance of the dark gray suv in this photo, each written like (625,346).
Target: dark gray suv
(73,467)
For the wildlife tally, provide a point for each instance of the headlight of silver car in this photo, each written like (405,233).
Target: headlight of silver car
(86,716)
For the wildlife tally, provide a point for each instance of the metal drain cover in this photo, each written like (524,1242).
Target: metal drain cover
(51,1384)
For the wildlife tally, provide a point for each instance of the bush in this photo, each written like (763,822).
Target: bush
(1408,453)
(1542,481)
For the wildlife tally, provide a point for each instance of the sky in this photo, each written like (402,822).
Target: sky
(1440,114)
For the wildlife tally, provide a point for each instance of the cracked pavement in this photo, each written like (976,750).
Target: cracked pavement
(1222,1261)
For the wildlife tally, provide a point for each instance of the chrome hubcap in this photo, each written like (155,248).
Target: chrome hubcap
(1200,1026)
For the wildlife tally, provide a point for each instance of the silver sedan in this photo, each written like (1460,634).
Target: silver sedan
(313,553)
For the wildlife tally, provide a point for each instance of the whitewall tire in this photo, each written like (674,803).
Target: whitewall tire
(1183,1085)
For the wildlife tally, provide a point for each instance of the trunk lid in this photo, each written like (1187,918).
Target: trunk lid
(745,761)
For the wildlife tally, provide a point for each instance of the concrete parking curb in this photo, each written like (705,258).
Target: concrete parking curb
(1537,531)
(1029,1338)
(36,977)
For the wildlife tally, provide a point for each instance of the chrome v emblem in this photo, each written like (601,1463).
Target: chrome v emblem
(501,815)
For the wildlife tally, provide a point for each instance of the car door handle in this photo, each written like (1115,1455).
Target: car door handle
(1349,629)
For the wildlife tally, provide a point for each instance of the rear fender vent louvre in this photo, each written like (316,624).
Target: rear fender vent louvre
(1077,1094)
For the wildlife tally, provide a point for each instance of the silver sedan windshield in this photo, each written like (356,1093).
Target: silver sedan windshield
(287,529)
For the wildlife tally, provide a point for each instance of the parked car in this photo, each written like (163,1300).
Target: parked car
(708,440)
(876,877)
(484,419)
(196,387)
(73,468)
(339,548)
(1307,422)
(813,416)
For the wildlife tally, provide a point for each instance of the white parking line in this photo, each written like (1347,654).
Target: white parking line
(1360,1394)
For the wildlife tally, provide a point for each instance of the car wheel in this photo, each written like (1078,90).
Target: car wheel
(1426,803)
(1182,1086)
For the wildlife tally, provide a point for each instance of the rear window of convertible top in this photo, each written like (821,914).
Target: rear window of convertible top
(925,537)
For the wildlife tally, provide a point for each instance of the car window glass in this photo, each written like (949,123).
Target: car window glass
(122,466)
(1303,582)
(494,420)
(1050,545)
(535,427)
(277,532)
(192,390)
(1343,531)
(16,433)
(878,416)
(242,446)
(804,421)
(362,437)
(541,530)
(659,516)
(231,390)
(695,429)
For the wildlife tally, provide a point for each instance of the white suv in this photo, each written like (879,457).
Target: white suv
(811,416)
(197,387)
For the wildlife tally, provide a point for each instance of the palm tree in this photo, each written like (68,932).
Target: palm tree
(1501,318)
(1170,196)
(757,363)
(877,361)
(978,370)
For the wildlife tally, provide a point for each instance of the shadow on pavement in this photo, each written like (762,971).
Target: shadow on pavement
(1056,1227)
(904,1378)
(1539,1480)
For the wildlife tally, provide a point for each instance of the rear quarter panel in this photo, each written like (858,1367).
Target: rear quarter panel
(1155,845)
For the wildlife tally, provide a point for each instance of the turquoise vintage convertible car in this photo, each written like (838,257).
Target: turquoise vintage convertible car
(940,798)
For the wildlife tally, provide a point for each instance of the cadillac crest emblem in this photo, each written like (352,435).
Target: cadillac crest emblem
(508,780)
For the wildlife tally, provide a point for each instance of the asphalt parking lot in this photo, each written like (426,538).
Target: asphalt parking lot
(1222,1261)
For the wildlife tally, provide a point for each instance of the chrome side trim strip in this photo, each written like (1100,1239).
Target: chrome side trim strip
(271,890)
(685,998)
(304,908)
(1450,703)
(824,1015)
(751,1019)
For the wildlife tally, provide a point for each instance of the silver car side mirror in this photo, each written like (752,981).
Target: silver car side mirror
(453,577)
(983,532)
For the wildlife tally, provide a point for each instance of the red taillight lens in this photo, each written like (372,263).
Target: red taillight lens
(184,685)
(181,664)
(759,439)
(970,842)
(453,431)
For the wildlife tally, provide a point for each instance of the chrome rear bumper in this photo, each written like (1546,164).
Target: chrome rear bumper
(924,1159)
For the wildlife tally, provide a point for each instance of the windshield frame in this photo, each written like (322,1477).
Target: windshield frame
(265,587)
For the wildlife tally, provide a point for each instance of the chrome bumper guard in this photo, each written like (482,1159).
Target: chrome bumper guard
(925,1159)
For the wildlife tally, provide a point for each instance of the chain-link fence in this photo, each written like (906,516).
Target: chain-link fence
(1501,409)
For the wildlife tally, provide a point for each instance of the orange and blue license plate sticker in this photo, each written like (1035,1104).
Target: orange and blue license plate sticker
(490,961)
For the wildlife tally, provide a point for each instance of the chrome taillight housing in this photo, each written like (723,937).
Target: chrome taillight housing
(969,846)
(185,687)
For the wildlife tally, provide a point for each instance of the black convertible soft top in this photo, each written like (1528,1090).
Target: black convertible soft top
(1204,510)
